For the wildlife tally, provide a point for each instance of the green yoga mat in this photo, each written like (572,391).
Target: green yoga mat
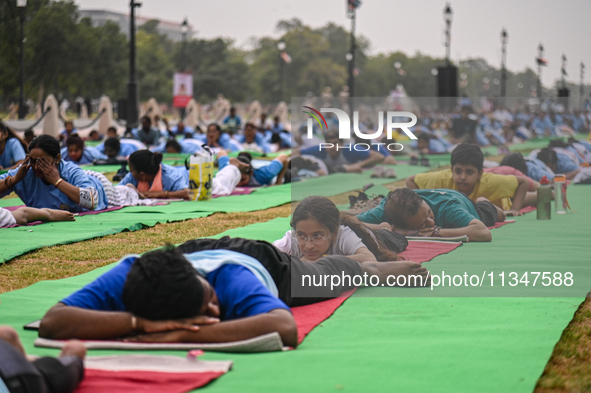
(24,239)
(381,344)
(339,183)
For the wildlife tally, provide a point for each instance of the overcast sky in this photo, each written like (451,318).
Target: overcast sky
(561,26)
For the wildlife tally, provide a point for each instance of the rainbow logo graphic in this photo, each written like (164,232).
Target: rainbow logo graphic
(315,115)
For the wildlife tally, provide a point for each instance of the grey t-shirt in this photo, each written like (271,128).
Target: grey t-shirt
(347,243)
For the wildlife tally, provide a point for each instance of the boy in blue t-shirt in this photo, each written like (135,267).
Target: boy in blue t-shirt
(437,213)
(161,296)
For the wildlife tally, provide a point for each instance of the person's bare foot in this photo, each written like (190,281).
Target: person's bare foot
(383,270)
(10,335)
(74,348)
(59,215)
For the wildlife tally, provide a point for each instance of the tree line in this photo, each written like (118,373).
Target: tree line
(67,56)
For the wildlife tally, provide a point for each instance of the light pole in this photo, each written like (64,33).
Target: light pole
(448,18)
(352,6)
(582,85)
(184,31)
(563,71)
(504,40)
(132,84)
(540,61)
(281,48)
(22,111)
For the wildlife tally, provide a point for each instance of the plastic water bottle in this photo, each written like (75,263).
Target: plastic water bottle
(544,209)
(560,194)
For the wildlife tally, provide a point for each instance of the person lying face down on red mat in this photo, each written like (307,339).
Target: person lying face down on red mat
(205,290)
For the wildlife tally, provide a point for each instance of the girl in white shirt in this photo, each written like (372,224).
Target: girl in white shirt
(318,230)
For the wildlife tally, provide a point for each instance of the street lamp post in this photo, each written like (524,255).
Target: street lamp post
(22,111)
(540,59)
(448,18)
(281,48)
(184,31)
(351,56)
(582,86)
(504,40)
(132,84)
(563,71)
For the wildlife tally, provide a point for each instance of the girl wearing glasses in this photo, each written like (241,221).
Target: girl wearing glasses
(318,229)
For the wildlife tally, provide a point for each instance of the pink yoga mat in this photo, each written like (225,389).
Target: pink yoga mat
(100,381)
(425,251)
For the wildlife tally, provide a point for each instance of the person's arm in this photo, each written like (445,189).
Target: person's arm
(63,322)
(363,255)
(410,183)
(476,232)
(283,159)
(179,194)
(8,183)
(519,197)
(16,165)
(572,174)
(277,320)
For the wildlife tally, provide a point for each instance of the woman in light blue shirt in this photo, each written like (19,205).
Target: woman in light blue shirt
(44,180)
(12,148)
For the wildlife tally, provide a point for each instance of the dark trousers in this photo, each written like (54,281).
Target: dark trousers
(44,375)
(288,273)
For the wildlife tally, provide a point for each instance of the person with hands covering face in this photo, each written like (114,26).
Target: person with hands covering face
(152,179)
(45,181)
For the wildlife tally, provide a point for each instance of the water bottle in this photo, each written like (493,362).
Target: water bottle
(560,194)
(544,208)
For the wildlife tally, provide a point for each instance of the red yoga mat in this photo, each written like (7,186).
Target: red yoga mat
(100,381)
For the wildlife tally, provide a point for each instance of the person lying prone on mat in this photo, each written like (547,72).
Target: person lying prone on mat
(256,177)
(25,215)
(167,296)
(436,213)
(44,180)
(467,176)
(290,273)
(152,179)
(22,374)
(319,229)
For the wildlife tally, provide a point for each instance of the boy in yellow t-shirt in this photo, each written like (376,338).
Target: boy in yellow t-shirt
(466,175)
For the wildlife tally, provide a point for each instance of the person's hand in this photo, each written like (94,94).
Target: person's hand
(191,324)
(175,336)
(140,195)
(49,171)
(516,212)
(353,168)
(386,226)
(426,232)
(22,171)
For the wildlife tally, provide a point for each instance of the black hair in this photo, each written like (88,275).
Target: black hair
(93,132)
(216,125)
(112,129)
(28,133)
(548,156)
(325,212)
(145,161)
(558,143)
(11,134)
(424,136)
(174,144)
(188,135)
(246,158)
(69,122)
(47,143)
(515,160)
(250,125)
(275,138)
(468,154)
(401,204)
(75,140)
(163,285)
(112,144)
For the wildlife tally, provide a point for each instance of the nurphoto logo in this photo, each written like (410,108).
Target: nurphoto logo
(392,122)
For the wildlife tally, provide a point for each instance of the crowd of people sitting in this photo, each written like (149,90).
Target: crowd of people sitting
(229,289)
